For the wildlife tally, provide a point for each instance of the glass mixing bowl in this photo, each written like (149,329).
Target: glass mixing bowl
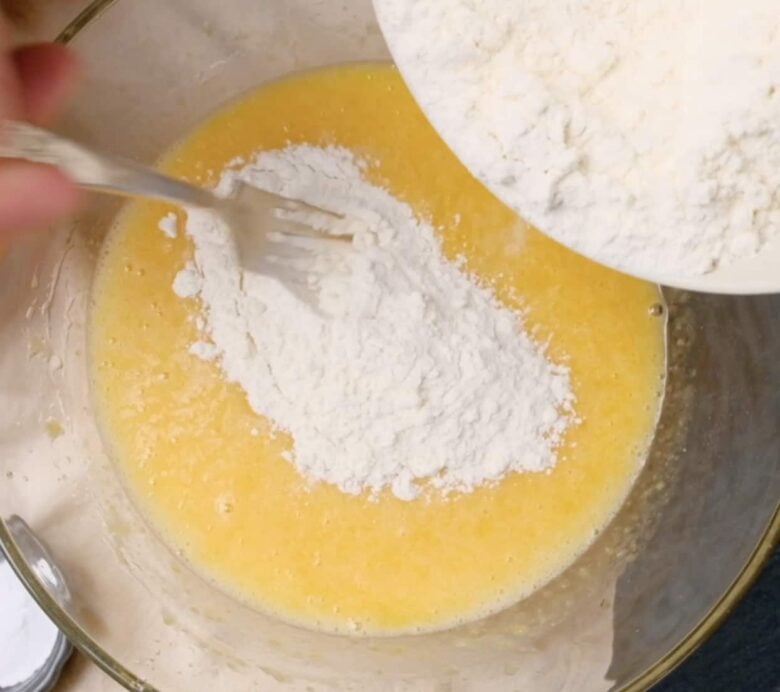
(700,520)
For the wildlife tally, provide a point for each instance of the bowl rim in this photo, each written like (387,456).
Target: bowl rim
(718,613)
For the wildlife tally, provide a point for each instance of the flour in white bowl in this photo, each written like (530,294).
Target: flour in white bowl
(387,364)
(27,636)
(645,134)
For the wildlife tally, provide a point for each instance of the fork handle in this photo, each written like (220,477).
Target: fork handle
(95,171)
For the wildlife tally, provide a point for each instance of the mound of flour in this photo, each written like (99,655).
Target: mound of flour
(385,362)
(643,134)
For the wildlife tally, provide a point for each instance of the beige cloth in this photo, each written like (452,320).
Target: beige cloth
(80,675)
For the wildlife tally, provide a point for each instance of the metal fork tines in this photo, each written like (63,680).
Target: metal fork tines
(250,213)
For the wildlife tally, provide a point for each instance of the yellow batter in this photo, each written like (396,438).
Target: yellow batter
(242,514)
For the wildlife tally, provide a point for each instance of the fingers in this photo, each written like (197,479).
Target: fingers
(47,75)
(10,91)
(33,196)
(35,82)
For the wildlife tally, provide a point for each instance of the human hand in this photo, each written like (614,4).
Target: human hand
(35,81)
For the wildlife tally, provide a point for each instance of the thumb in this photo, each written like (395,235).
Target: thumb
(33,196)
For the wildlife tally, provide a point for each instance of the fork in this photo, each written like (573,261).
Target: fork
(249,212)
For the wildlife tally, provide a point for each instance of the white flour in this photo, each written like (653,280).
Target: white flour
(387,364)
(27,636)
(644,134)
(167,225)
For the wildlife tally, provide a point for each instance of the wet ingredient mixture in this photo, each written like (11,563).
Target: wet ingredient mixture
(220,480)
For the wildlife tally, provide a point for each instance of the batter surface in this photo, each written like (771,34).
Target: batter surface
(208,474)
